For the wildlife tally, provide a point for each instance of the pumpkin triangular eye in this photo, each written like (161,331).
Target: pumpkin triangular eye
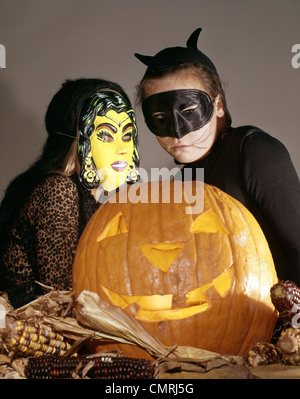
(163,254)
(209,222)
(116,226)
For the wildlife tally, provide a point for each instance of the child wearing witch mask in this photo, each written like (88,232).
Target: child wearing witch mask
(91,145)
(107,142)
(184,105)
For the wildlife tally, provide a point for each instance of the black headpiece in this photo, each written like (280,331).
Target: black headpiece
(172,57)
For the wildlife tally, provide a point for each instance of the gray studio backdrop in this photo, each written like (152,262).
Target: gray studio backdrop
(253,44)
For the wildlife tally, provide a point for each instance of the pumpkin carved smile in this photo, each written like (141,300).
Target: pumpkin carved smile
(160,307)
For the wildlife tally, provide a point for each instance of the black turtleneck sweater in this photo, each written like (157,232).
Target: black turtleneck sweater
(256,169)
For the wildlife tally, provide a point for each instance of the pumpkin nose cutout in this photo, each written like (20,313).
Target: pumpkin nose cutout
(163,254)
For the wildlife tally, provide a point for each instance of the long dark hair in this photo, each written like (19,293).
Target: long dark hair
(61,124)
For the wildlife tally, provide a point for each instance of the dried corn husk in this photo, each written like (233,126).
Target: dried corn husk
(93,318)
(12,368)
(93,312)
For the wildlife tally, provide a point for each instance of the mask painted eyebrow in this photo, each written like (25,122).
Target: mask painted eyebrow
(127,127)
(107,125)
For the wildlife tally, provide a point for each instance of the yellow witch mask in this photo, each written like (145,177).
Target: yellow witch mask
(112,148)
(107,142)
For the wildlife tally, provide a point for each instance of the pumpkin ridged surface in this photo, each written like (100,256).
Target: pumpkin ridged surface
(232,321)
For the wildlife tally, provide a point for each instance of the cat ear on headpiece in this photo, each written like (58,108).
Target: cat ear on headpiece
(172,57)
(145,59)
(192,41)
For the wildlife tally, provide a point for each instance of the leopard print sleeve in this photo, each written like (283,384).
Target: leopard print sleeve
(42,242)
(55,213)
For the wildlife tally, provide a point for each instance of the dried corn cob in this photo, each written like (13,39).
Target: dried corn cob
(289,340)
(263,354)
(289,345)
(285,296)
(35,339)
(102,367)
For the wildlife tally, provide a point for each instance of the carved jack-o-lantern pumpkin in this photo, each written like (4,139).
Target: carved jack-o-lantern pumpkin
(198,279)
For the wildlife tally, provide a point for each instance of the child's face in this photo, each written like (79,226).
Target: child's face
(197,143)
